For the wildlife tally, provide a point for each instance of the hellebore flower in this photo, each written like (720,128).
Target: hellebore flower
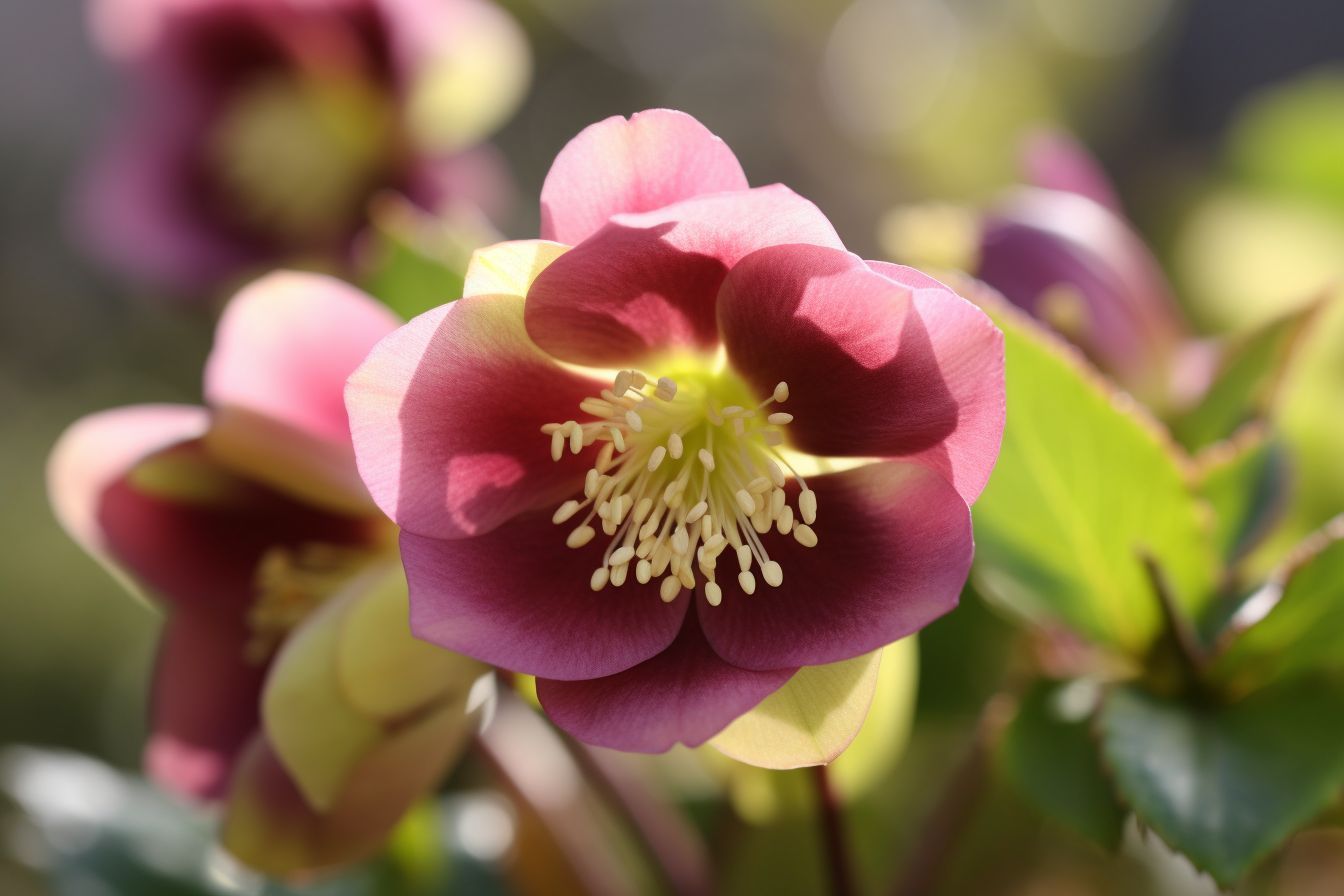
(604,457)
(288,685)
(258,130)
(1062,250)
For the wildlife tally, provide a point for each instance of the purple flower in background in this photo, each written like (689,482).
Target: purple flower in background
(257,131)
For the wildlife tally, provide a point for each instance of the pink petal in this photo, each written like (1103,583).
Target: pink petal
(204,703)
(283,350)
(880,361)
(447,413)
(969,349)
(686,694)
(647,283)
(517,597)
(287,343)
(204,553)
(100,449)
(1055,160)
(894,547)
(133,213)
(656,158)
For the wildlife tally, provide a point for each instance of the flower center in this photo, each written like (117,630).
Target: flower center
(298,155)
(291,583)
(683,476)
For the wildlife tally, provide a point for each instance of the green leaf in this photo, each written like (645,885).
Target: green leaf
(413,262)
(1250,372)
(1245,482)
(1085,482)
(1294,625)
(1049,755)
(1226,785)
(1311,417)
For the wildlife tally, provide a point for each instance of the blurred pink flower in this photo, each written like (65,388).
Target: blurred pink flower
(1062,250)
(742,342)
(258,130)
(247,523)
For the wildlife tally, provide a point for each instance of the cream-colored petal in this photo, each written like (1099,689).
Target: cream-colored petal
(508,268)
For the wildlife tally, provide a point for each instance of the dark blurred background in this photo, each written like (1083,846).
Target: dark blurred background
(860,106)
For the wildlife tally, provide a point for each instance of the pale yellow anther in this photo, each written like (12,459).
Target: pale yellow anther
(804,535)
(807,506)
(639,487)
(565,511)
(642,509)
(581,536)
(669,589)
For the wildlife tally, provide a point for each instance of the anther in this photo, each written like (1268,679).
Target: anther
(807,506)
(674,446)
(706,459)
(634,420)
(669,589)
(713,594)
(599,578)
(656,458)
(581,536)
(747,581)
(565,511)
(781,392)
(779,419)
(805,536)
(773,574)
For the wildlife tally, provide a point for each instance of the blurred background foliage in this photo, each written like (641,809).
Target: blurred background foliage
(1222,122)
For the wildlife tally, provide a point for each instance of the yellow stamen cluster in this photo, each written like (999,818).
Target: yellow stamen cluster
(291,583)
(678,481)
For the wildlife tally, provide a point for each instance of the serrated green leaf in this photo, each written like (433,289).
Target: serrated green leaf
(1294,625)
(1085,482)
(1226,785)
(1048,753)
(1245,482)
(1250,372)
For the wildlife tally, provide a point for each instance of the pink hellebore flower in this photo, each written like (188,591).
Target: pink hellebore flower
(288,685)
(1064,251)
(259,130)
(599,457)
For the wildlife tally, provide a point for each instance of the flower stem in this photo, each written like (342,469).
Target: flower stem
(831,820)
(669,844)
